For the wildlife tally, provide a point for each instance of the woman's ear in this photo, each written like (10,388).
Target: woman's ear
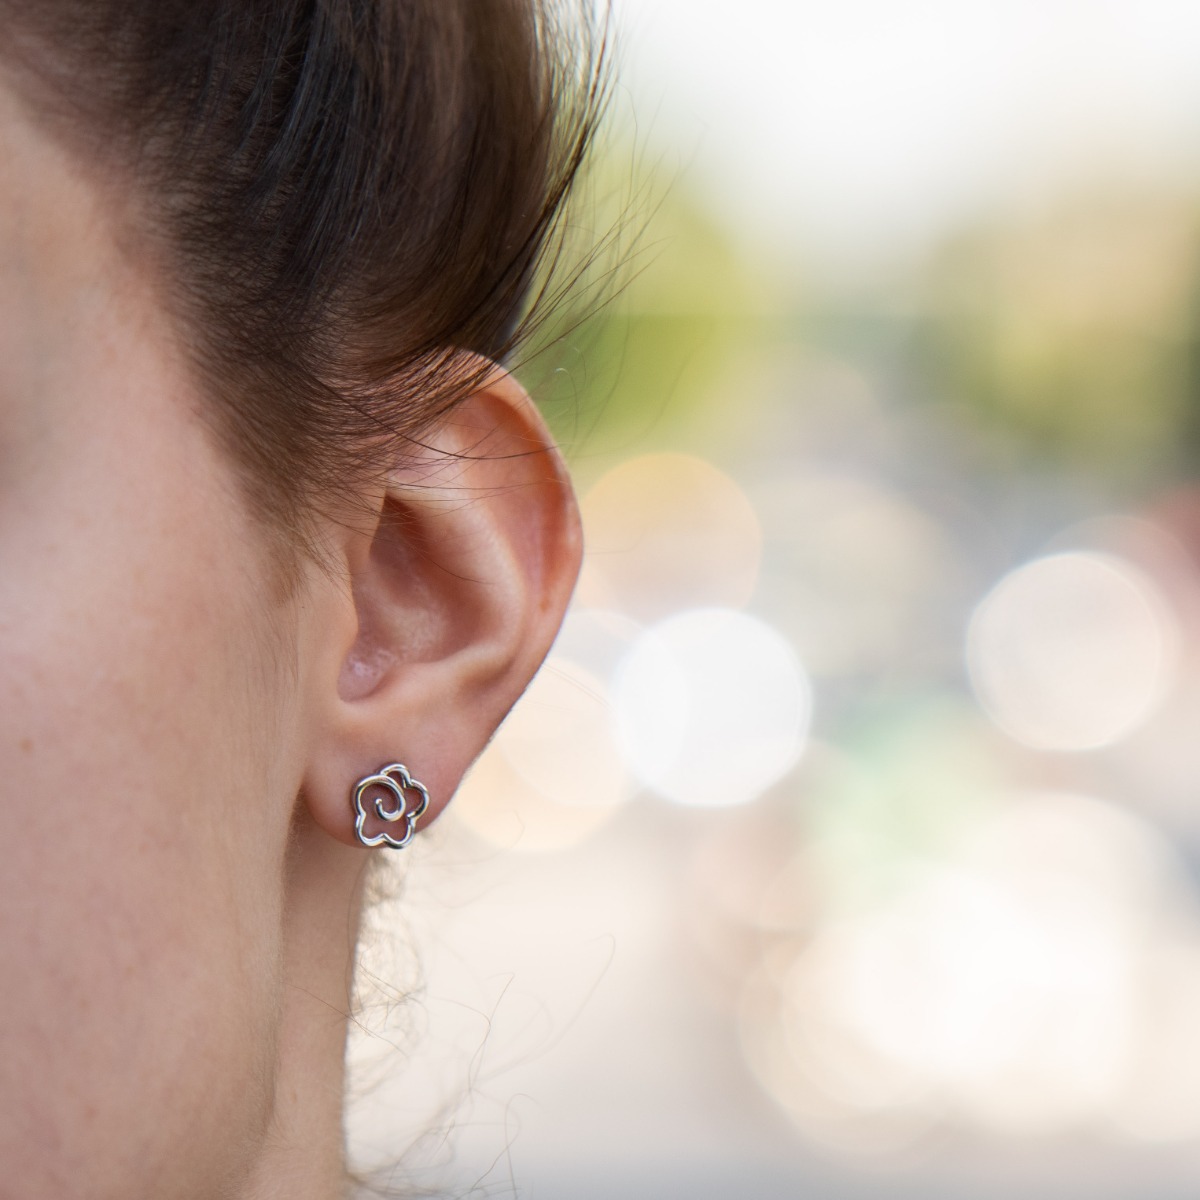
(448,605)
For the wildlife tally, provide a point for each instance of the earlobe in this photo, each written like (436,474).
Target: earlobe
(450,602)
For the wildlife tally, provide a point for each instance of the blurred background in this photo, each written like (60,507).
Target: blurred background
(849,843)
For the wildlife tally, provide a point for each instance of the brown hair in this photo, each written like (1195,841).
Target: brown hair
(347,194)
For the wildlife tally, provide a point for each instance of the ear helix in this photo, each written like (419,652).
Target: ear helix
(397,798)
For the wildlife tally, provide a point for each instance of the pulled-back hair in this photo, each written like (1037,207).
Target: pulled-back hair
(346,195)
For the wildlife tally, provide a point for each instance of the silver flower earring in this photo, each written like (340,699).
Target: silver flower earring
(399,785)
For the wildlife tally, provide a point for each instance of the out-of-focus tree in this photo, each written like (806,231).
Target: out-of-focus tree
(1071,337)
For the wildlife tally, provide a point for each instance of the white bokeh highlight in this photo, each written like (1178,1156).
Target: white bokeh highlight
(712,707)
(1072,651)
(1033,979)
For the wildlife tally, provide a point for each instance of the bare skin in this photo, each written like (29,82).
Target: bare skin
(180,888)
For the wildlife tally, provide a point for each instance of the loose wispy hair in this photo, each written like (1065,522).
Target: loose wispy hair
(346,195)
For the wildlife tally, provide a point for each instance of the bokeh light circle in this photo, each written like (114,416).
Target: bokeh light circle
(859,575)
(560,738)
(1042,974)
(666,532)
(553,775)
(1071,651)
(712,707)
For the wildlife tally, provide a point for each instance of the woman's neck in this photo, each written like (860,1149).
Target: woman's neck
(302,1153)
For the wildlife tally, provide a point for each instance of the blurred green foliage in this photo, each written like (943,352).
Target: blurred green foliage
(1063,338)
(1072,333)
(662,314)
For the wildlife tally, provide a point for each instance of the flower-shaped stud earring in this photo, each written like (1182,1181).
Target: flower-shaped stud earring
(391,783)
